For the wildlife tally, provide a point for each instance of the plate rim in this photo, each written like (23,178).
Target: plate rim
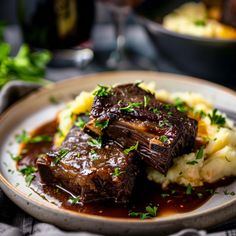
(55,209)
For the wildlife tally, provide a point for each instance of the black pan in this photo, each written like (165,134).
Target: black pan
(212,59)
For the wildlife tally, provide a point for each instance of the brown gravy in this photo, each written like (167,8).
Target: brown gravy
(173,200)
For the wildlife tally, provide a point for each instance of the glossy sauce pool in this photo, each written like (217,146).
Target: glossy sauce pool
(174,200)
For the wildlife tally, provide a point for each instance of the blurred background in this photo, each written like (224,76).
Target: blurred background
(197,38)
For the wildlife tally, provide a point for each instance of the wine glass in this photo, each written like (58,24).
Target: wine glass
(120,9)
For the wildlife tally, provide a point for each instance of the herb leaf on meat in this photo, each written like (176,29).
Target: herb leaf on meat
(132,148)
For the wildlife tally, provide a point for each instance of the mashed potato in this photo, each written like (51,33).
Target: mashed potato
(213,160)
(218,155)
(193,19)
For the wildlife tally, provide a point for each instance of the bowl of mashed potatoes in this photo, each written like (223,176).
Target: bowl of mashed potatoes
(192,36)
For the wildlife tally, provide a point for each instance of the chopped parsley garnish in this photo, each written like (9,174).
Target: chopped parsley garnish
(95,142)
(74,200)
(80,123)
(28,172)
(117,172)
(181,105)
(164,139)
(131,107)
(102,91)
(200,23)
(192,162)
(93,154)
(199,113)
(101,124)
(229,193)
(189,189)
(154,110)
(163,123)
(146,100)
(167,107)
(40,138)
(15,157)
(216,119)
(164,195)
(132,148)
(150,213)
(25,138)
(61,154)
(199,154)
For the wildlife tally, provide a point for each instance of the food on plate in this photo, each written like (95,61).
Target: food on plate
(198,20)
(130,151)
(91,168)
(134,116)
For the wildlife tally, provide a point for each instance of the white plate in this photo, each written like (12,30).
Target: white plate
(37,109)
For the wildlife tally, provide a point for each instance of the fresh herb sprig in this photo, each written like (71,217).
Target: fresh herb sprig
(117,172)
(29,173)
(95,142)
(15,157)
(151,211)
(102,91)
(24,137)
(216,119)
(131,106)
(102,124)
(25,66)
(80,123)
(74,200)
(60,155)
(132,148)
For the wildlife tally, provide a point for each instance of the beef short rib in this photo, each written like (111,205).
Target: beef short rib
(132,115)
(85,168)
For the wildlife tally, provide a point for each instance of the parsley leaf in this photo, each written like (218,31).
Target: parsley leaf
(95,142)
(227,193)
(102,91)
(74,200)
(189,189)
(93,154)
(216,119)
(117,172)
(131,107)
(28,172)
(101,124)
(132,148)
(61,154)
(164,139)
(150,213)
(15,157)
(181,105)
(192,162)
(40,138)
(199,154)
(80,123)
(25,138)
(25,66)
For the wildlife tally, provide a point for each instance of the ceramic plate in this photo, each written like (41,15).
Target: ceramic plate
(37,109)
